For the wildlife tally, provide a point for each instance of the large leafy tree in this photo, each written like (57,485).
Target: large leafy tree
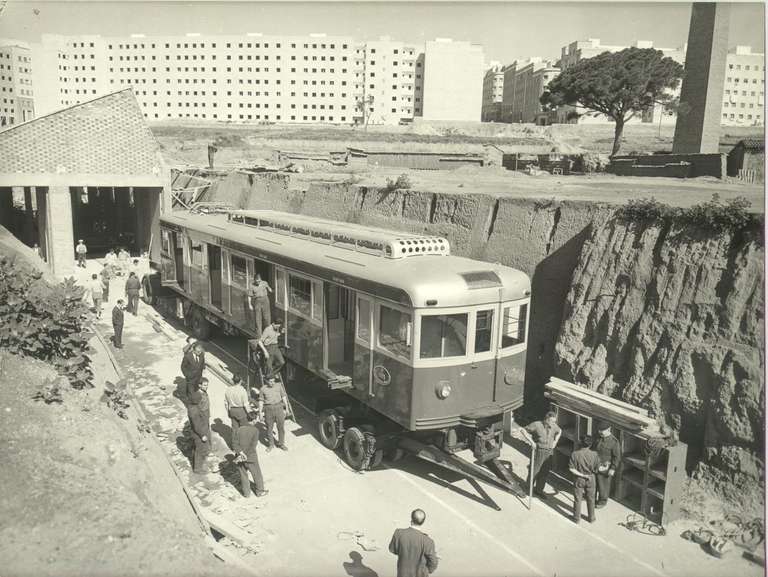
(619,85)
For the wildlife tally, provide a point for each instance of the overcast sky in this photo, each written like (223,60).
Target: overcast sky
(507,30)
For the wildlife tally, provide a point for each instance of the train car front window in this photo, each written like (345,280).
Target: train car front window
(443,336)
(513,327)
(394,331)
(483,330)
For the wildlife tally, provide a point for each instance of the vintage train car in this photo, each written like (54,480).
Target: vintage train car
(405,338)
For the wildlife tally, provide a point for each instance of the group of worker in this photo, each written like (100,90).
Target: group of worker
(244,410)
(593,464)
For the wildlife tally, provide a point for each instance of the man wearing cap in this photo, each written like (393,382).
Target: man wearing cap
(200,426)
(81,250)
(584,465)
(245,445)
(543,437)
(272,409)
(609,452)
(258,302)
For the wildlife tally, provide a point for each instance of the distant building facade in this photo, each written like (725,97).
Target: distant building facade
(744,90)
(17,103)
(493,93)
(257,78)
(524,83)
(453,80)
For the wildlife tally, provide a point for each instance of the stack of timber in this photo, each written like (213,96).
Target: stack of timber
(593,404)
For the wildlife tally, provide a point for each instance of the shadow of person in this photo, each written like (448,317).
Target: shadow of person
(224,431)
(356,568)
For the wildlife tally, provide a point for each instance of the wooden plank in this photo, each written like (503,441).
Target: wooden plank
(634,424)
(598,407)
(565,385)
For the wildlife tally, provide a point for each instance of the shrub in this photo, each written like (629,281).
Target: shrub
(44,321)
(402,183)
(732,215)
(116,396)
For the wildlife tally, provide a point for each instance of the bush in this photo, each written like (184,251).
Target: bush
(43,321)
(402,183)
(732,215)
(116,396)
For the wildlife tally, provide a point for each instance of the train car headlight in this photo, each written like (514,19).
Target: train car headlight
(443,389)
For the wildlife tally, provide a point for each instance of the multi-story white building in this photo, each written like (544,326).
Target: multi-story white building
(744,89)
(385,80)
(245,78)
(16,86)
(453,80)
(493,93)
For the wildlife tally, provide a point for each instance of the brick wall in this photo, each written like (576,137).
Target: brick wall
(104,136)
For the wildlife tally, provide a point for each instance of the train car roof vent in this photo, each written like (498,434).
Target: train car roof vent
(481,279)
(359,238)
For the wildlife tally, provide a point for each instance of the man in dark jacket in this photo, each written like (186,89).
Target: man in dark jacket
(244,445)
(200,426)
(132,288)
(584,465)
(118,318)
(192,367)
(609,451)
(415,550)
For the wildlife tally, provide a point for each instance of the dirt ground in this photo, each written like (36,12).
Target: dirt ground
(85,492)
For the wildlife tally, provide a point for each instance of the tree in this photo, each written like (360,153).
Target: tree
(362,104)
(616,84)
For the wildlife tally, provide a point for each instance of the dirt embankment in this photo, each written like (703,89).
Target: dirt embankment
(84,492)
(672,319)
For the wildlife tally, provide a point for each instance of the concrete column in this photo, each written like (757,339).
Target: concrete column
(6,207)
(29,218)
(701,96)
(61,241)
(41,195)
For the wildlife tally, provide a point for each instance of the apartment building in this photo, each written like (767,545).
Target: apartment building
(744,88)
(524,83)
(16,86)
(247,78)
(493,93)
(385,82)
(453,80)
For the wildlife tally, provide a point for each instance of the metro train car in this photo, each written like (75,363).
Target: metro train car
(401,341)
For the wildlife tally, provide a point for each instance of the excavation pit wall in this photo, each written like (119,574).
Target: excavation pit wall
(660,315)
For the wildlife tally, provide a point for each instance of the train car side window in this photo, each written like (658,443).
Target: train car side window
(364,320)
(513,325)
(317,300)
(443,336)
(483,330)
(300,295)
(280,287)
(395,331)
(166,237)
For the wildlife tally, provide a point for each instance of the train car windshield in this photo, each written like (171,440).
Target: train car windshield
(443,336)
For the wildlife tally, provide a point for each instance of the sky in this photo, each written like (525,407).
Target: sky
(507,30)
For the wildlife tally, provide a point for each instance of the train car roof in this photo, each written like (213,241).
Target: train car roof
(449,280)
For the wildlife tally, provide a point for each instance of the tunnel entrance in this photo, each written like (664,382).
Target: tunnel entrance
(105,217)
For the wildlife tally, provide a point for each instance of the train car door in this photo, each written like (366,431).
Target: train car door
(362,373)
(339,325)
(481,347)
(214,275)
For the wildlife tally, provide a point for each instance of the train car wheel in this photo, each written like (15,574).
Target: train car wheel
(328,429)
(201,328)
(355,449)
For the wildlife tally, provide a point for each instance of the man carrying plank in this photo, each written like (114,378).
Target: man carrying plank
(609,451)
